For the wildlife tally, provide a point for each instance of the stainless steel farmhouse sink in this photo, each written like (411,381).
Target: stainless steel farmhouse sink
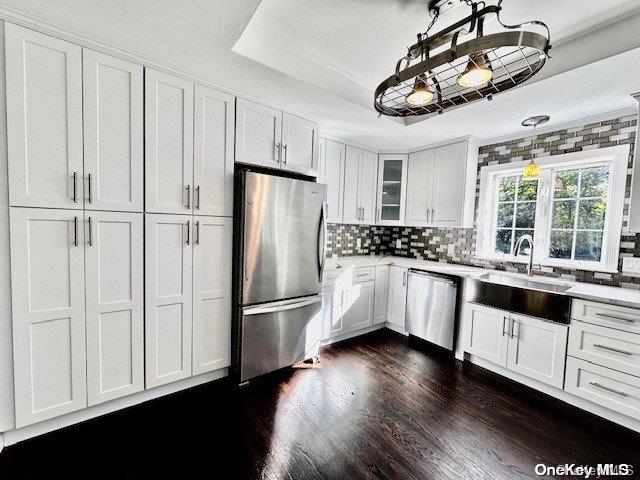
(536,297)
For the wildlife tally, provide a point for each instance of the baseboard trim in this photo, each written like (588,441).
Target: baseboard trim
(562,395)
(19,434)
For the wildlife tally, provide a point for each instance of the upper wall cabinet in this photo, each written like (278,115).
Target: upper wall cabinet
(113,133)
(270,138)
(332,174)
(392,175)
(360,177)
(44,119)
(168,143)
(213,152)
(189,147)
(441,186)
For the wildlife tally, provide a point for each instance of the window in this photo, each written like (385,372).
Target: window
(573,211)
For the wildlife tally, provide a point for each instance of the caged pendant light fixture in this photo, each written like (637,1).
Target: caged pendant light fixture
(460,64)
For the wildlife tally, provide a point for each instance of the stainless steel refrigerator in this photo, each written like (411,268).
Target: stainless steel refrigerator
(279,260)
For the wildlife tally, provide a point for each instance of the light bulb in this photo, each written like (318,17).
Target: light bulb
(531,171)
(421,94)
(477,73)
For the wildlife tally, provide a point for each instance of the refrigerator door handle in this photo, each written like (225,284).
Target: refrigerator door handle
(321,241)
(281,306)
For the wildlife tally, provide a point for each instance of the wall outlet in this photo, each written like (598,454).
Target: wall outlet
(631,265)
(358,243)
(398,243)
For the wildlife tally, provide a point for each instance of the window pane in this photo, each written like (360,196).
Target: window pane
(507,189)
(594,181)
(566,184)
(589,246)
(505,215)
(503,241)
(563,214)
(560,244)
(526,215)
(591,214)
(528,190)
(525,249)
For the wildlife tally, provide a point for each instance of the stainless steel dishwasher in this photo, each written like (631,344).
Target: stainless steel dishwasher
(431,307)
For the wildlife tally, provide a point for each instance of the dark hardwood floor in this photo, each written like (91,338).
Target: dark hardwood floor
(376,407)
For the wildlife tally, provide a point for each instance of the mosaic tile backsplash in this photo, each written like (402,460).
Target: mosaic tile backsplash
(457,245)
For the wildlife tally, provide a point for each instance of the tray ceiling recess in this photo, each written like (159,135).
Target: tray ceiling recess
(441,71)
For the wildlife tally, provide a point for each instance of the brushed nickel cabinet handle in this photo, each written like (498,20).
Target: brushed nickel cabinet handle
(404,278)
(188,232)
(188,197)
(90,232)
(196,239)
(504,324)
(433,214)
(75,231)
(198,197)
(617,392)
(285,154)
(75,189)
(89,179)
(605,315)
(605,347)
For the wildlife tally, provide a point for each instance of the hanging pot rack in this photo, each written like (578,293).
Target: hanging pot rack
(514,56)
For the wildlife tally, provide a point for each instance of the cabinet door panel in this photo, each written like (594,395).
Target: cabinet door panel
(359,310)
(114,298)
(211,293)
(47,289)
(392,178)
(168,292)
(299,145)
(168,143)
(113,133)
(449,169)
(487,333)
(350,206)
(44,119)
(419,186)
(397,301)
(537,349)
(213,152)
(367,186)
(381,294)
(258,134)
(334,178)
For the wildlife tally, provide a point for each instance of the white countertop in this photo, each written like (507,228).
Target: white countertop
(587,291)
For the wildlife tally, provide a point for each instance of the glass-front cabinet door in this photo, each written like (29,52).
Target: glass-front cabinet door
(392,179)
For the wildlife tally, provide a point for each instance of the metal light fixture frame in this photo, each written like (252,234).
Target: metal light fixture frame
(530,48)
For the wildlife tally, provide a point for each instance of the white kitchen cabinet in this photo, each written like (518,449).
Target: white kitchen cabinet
(300,145)
(441,185)
(381,294)
(213,154)
(48,296)
(168,298)
(113,133)
(332,174)
(360,177)
(487,332)
(44,120)
(212,245)
(168,143)
(258,134)
(537,349)
(392,179)
(358,311)
(333,319)
(114,304)
(397,301)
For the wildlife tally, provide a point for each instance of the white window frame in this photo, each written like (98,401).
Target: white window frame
(616,157)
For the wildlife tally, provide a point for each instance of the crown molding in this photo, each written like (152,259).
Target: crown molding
(601,117)
(349,143)
(28,21)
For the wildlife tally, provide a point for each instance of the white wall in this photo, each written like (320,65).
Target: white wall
(6,360)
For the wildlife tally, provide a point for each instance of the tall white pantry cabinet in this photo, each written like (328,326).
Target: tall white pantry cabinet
(111,165)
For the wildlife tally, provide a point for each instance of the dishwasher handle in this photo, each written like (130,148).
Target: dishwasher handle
(432,276)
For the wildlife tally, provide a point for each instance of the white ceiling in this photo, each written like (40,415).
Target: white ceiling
(198,36)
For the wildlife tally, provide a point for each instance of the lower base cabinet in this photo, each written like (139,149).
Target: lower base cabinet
(529,346)
(358,310)
(397,299)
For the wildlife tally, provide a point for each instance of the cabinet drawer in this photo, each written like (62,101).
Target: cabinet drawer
(364,274)
(606,387)
(614,316)
(338,279)
(605,346)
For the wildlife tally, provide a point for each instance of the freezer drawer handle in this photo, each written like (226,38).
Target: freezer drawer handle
(617,392)
(280,308)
